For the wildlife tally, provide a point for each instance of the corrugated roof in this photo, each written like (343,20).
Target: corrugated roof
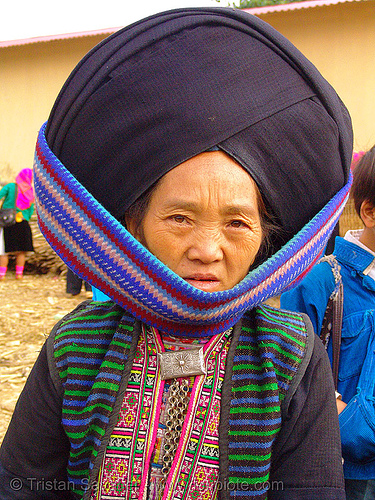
(258,11)
(63,36)
(308,4)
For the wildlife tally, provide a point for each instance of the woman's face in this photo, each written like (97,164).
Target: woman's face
(203,222)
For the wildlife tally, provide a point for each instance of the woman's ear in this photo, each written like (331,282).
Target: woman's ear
(367,213)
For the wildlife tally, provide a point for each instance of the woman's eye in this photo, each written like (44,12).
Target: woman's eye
(179,219)
(237,223)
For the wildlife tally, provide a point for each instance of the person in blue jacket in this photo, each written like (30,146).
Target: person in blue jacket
(355,254)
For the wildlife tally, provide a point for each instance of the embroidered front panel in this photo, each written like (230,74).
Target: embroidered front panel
(194,473)
(129,450)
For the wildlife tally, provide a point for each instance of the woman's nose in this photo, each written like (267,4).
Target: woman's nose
(206,247)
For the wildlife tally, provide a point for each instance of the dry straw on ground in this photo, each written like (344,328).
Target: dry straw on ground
(28,310)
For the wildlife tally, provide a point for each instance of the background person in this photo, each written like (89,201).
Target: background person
(184,128)
(18,237)
(74,284)
(355,254)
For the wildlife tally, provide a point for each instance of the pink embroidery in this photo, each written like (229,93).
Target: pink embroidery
(136,437)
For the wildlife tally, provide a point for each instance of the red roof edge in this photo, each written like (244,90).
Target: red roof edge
(63,36)
(258,11)
(308,4)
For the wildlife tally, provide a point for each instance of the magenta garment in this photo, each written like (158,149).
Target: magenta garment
(25,195)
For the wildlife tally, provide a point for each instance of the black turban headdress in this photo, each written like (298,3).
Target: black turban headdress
(170,87)
(159,92)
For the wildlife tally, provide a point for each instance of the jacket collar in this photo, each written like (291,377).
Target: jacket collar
(356,258)
(353,255)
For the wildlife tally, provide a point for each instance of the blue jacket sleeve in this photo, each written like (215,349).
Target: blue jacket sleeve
(311,295)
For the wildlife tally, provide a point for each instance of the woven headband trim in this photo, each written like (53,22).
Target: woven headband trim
(102,252)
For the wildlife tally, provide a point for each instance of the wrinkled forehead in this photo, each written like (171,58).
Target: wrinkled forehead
(170,87)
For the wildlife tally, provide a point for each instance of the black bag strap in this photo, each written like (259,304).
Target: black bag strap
(15,196)
(332,321)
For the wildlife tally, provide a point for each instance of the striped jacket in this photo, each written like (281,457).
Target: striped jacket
(93,350)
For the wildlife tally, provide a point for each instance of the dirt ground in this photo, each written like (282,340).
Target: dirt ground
(28,310)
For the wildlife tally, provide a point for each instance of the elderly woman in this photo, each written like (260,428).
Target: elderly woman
(193,166)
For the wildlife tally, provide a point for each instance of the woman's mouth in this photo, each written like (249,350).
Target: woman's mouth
(205,282)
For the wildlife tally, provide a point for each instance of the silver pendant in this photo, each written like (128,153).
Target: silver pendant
(177,405)
(183,363)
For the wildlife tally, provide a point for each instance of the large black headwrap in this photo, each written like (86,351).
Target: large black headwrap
(169,87)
